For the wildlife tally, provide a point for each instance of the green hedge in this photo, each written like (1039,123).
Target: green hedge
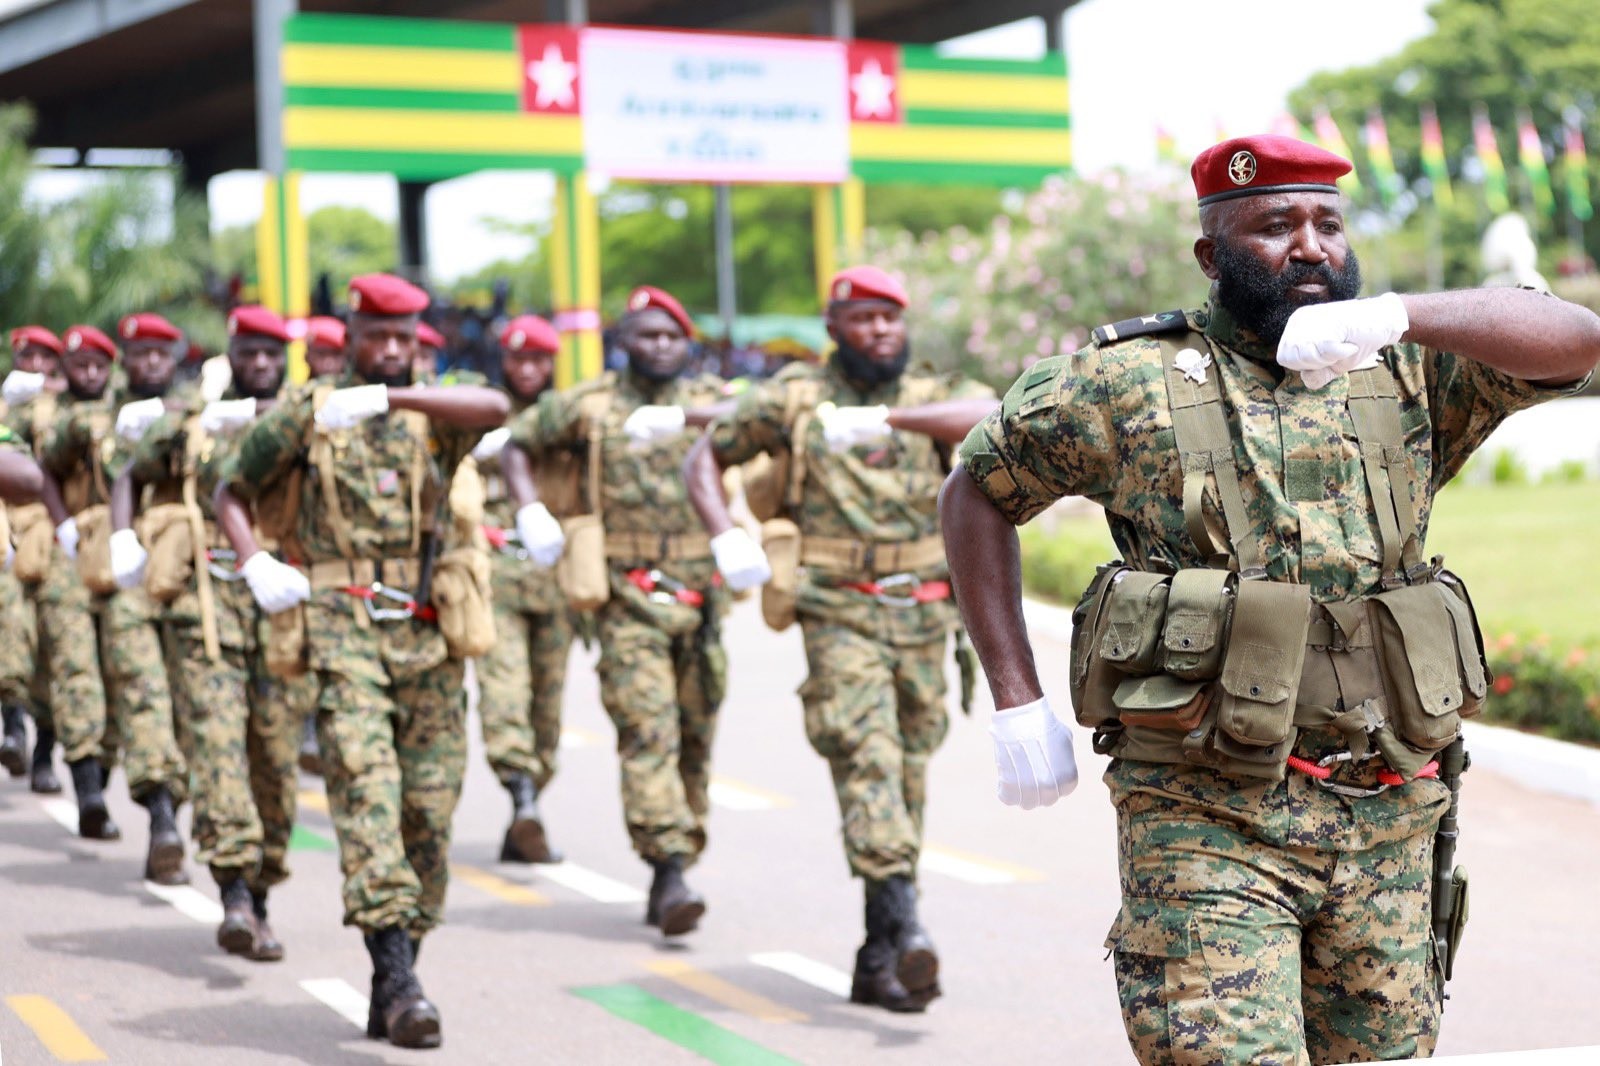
(1058,563)
(1542,687)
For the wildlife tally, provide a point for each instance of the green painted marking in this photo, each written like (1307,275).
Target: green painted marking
(406,33)
(303,839)
(927,57)
(935,172)
(425,165)
(406,99)
(688,1030)
(933,116)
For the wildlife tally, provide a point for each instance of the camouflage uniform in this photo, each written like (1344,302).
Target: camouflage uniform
(391,705)
(521,680)
(662,667)
(1262,921)
(875,693)
(132,665)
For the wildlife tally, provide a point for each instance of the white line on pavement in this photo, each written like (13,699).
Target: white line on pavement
(734,798)
(63,811)
(814,973)
(597,887)
(345,1001)
(941,862)
(188,902)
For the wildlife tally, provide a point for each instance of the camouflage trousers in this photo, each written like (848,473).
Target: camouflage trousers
(68,640)
(134,669)
(391,725)
(519,692)
(662,693)
(1273,923)
(876,712)
(244,735)
(23,680)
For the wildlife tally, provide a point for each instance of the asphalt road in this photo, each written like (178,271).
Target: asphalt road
(554,964)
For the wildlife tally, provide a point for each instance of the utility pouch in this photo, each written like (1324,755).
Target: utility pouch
(94,550)
(582,573)
(1199,608)
(1135,610)
(1090,679)
(1458,919)
(1475,673)
(1161,701)
(165,532)
(286,642)
(1416,636)
(1261,670)
(461,597)
(35,537)
(780,539)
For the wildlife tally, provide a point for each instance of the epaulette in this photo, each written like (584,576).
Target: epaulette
(1144,326)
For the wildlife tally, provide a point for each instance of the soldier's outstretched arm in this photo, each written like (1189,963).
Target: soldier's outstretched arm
(464,406)
(947,422)
(123,492)
(21,480)
(517,468)
(50,496)
(1527,334)
(702,477)
(701,417)
(236,522)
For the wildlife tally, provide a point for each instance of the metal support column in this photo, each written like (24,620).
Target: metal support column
(414,230)
(727,284)
(837,211)
(283,261)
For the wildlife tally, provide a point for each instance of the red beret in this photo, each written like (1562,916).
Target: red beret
(89,337)
(147,326)
(385,294)
(426,334)
(325,332)
(532,333)
(23,336)
(866,283)
(257,320)
(647,296)
(1250,166)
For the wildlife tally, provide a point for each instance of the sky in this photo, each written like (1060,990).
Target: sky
(1192,66)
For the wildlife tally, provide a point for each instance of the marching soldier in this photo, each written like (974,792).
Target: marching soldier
(325,347)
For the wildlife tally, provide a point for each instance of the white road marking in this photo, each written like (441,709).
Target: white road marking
(188,902)
(814,973)
(974,869)
(734,798)
(344,1000)
(597,887)
(577,738)
(63,811)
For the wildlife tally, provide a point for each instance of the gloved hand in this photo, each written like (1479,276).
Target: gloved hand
(1323,341)
(345,408)
(224,416)
(651,424)
(276,586)
(1033,753)
(541,535)
(492,444)
(20,387)
(848,427)
(67,537)
(11,555)
(742,562)
(127,558)
(137,417)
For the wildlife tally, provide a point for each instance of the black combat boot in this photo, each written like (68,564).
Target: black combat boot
(14,741)
(237,933)
(400,1012)
(674,907)
(525,839)
(268,948)
(917,963)
(310,753)
(163,863)
(876,980)
(94,820)
(44,779)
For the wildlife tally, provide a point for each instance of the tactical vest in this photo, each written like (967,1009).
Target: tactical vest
(1216,666)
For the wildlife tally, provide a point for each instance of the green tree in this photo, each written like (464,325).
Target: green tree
(342,242)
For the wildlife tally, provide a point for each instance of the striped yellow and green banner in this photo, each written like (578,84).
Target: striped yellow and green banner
(1575,168)
(1530,154)
(1496,192)
(1433,157)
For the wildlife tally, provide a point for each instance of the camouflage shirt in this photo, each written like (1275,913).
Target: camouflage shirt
(159,457)
(86,431)
(1097,423)
(881,494)
(518,584)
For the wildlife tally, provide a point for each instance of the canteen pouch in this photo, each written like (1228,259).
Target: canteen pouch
(780,539)
(1163,702)
(1090,679)
(165,532)
(1261,670)
(1432,670)
(1458,919)
(35,537)
(94,550)
(461,597)
(286,642)
(582,573)
(1199,608)
(1134,611)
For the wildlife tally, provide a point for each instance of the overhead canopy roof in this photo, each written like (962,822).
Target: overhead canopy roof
(180,74)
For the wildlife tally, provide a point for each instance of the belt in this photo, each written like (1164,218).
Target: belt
(871,557)
(505,541)
(408,607)
(663,588)
(884,589)
(223,563)
(658,547)
(341,573)
(1321,770)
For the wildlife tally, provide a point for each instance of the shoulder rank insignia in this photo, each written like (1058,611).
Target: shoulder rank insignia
(1165,322)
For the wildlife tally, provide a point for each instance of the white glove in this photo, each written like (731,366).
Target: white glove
(224,416)
(847,427)
(345,408)
(651,424)
(11,555)
(20,387)
(541,535)
(276,586)
(742,562)
(67,537)
(1033,753)
(492,444)
(136,417)
(1323,341)
(127,558)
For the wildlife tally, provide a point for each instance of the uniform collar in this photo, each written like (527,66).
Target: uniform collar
(1220,326)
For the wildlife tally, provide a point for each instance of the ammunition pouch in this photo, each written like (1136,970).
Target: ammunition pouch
(780,539)
(167,535)
(94,550)
(582,573)
(1458,922)
(461,596)
(286,642)
(35,537)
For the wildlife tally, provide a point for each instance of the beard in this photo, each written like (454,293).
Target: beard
(652,374)
(859,366)
(148,390)
(1261,301)
(398,380)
